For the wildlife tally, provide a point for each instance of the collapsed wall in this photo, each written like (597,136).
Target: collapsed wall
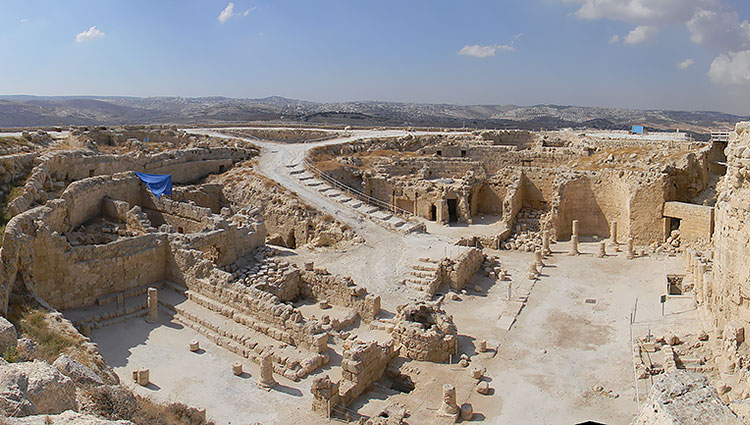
(53,171)
(290,221)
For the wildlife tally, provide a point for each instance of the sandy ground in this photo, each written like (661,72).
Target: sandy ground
(203,379)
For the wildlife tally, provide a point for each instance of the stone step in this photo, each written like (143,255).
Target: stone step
(324,189)
(369,209)
(396,221)
(295,172)
(119,319)
(334,194)
(381,215)
(240,339)
(429,260)
(356,204)
(425,268)
(305,177)
(313,183)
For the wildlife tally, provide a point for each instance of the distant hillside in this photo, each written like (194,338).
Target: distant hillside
(31,111)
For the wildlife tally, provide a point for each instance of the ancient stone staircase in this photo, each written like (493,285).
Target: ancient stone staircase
(382,214)
(424,276)
(238,332)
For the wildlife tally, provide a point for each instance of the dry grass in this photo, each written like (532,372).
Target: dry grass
(118,403)
(32,323)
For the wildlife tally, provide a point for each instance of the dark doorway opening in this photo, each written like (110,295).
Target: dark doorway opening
(433,213)
(674,224)
(452,210)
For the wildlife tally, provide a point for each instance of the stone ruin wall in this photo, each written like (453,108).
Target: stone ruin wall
(56,169)
(362,365)
(38,255)
(290,221)
(460,270)
(728,293)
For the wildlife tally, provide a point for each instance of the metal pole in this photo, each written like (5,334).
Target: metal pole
(635,368)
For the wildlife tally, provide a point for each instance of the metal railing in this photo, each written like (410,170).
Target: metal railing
(356,193)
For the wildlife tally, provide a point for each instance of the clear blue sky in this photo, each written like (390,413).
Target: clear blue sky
(671,54)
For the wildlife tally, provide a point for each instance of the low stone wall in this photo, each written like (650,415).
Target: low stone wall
(460,270)
(341,291)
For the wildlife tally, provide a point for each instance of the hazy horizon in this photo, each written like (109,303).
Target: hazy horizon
(688,55)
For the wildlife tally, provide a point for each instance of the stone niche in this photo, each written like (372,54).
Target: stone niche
(425,332)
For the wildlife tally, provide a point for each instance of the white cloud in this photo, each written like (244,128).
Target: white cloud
(481,52)
(714,23)
(24,20)
(639,34)
(721,29)
(89,34)
(687,63)
(731,69)
(229,13)
(639,11)
(615,39)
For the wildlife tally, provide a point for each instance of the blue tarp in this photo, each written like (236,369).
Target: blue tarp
(637,129)
(158,184)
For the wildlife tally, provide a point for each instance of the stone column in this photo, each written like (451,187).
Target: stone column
(266,380)
(573,245)
(153,306)
(533,272)
(545,243)
(575,228)
(700,282)
(481,345)
(538,258)
(613,233)
(449,406)
(237,368)
(602,249)
(630,254)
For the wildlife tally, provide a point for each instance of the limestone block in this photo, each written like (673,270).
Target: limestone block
(8,335)
(483,388)
(237,368)
(79,373)
(142,377)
